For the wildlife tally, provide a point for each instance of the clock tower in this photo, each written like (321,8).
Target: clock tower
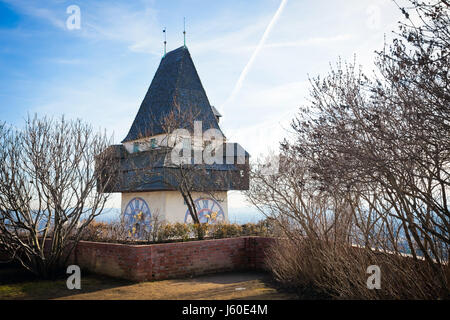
(175,93)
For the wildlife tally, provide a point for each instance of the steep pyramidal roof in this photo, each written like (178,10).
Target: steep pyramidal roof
(176,90)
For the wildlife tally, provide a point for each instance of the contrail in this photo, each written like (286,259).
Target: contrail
(244,72)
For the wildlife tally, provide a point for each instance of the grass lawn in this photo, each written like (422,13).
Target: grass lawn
(18,284)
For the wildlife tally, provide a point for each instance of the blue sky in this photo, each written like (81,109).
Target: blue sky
(101,72)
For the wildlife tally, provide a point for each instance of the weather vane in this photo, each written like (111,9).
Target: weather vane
(165,41)
(184,30)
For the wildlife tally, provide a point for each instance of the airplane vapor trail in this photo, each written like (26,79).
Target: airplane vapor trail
(263,39)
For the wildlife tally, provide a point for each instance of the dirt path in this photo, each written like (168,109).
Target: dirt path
(224,286)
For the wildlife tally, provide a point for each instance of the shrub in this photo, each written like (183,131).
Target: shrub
(157,223)
(321,269)
(225,230)
(95,231)
(114,231)
(200,230)
(117,231)
(174,231)
(262,228)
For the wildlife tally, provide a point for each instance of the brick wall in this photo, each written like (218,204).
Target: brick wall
(256,251)
(172,260)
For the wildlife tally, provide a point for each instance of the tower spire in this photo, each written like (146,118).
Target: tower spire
(165,41)
(184,30)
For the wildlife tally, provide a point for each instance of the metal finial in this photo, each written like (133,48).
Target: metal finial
(165,41)
(184,31)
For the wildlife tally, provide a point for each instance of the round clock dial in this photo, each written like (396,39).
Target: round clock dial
(137,217)
(208,210)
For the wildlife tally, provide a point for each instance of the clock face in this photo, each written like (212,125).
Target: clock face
(137,217)
(208,210)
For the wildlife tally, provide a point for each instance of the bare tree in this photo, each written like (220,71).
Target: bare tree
(374,153)
(49,191)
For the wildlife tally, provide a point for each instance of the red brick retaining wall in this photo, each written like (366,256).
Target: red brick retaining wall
(171,260)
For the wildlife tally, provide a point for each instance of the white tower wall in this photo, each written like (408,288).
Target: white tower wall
(170,205)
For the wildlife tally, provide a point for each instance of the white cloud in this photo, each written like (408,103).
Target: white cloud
(310,42)
(30,8)
(134,23)
(135,26)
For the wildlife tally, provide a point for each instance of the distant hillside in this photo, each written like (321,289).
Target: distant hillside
(240,215)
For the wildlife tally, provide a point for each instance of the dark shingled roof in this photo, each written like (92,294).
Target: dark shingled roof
(175,82)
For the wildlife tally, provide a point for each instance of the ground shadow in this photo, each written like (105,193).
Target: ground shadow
(230,277)
(18,283)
